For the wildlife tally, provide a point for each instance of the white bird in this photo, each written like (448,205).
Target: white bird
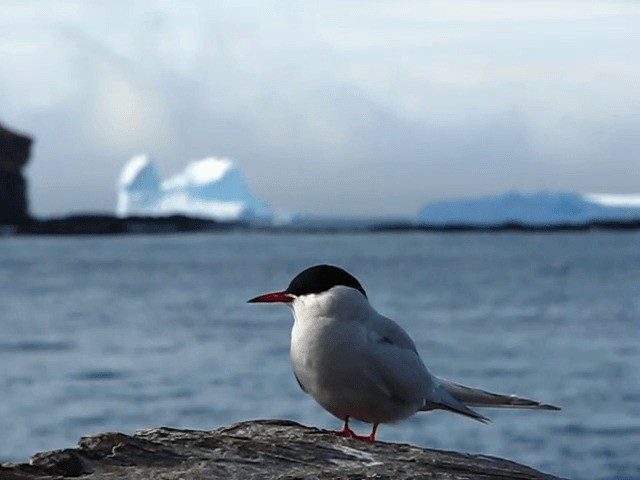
(359,364)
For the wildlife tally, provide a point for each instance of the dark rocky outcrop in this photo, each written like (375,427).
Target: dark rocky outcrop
(256,450)
(593,225)
(95,224)
(14,154)
(98,224)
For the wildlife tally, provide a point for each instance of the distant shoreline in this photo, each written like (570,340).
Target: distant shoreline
(103,224)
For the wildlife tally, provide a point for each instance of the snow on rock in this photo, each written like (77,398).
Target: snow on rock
(536,209)
(210,188)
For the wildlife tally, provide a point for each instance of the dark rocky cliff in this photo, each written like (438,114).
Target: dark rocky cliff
(14,154)
(256,450)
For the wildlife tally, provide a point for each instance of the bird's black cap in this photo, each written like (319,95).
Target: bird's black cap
(320,278)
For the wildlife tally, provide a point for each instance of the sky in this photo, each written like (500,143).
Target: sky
(332,107)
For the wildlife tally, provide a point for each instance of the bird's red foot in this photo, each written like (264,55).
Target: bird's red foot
(345,432)
(348,433)
(365,438)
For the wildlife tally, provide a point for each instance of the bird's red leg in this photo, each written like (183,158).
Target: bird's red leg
(346,431)
(367,438)
(371,438)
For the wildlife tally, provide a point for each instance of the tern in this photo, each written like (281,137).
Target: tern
(357,363)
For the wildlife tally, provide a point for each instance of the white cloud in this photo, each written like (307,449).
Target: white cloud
(120,109)
(304,85)
(498,10)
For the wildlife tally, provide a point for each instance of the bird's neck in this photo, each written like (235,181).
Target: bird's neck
(338,304)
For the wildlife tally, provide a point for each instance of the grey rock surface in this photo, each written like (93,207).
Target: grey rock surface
(254,450)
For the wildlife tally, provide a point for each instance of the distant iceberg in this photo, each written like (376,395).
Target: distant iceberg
(212,188)
(534,209)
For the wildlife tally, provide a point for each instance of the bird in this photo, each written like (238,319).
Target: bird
(357,363)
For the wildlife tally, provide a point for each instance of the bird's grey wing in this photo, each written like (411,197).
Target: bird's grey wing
(392,363)
(396,367)
(383,329)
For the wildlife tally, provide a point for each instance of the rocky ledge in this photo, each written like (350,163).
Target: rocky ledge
(256,450)
(15,150)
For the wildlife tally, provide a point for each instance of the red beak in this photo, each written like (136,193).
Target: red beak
(275,297)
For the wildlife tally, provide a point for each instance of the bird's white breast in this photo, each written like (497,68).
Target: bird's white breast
(329,342)
(327,333)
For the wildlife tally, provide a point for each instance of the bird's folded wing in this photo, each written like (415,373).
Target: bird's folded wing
(395,366)
(397,371)
(385,330)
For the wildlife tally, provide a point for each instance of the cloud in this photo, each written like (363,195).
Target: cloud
(330,108)
(121,109)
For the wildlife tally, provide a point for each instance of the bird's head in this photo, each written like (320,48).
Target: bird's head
(313,283)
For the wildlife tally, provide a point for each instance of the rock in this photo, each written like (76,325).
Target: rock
(255,450)
(96,224)
(14,154)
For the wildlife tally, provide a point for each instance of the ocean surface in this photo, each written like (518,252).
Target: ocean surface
(132,332)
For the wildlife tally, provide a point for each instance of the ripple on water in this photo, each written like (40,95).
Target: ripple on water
(36,346)
(610,431)
(99,375)
(88,420)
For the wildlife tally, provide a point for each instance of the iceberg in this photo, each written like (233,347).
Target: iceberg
(211,188)
(532,209)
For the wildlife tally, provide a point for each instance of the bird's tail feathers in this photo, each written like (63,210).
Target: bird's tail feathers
(474,397)
(448,402)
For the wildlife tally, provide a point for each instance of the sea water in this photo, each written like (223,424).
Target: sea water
(132,332)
